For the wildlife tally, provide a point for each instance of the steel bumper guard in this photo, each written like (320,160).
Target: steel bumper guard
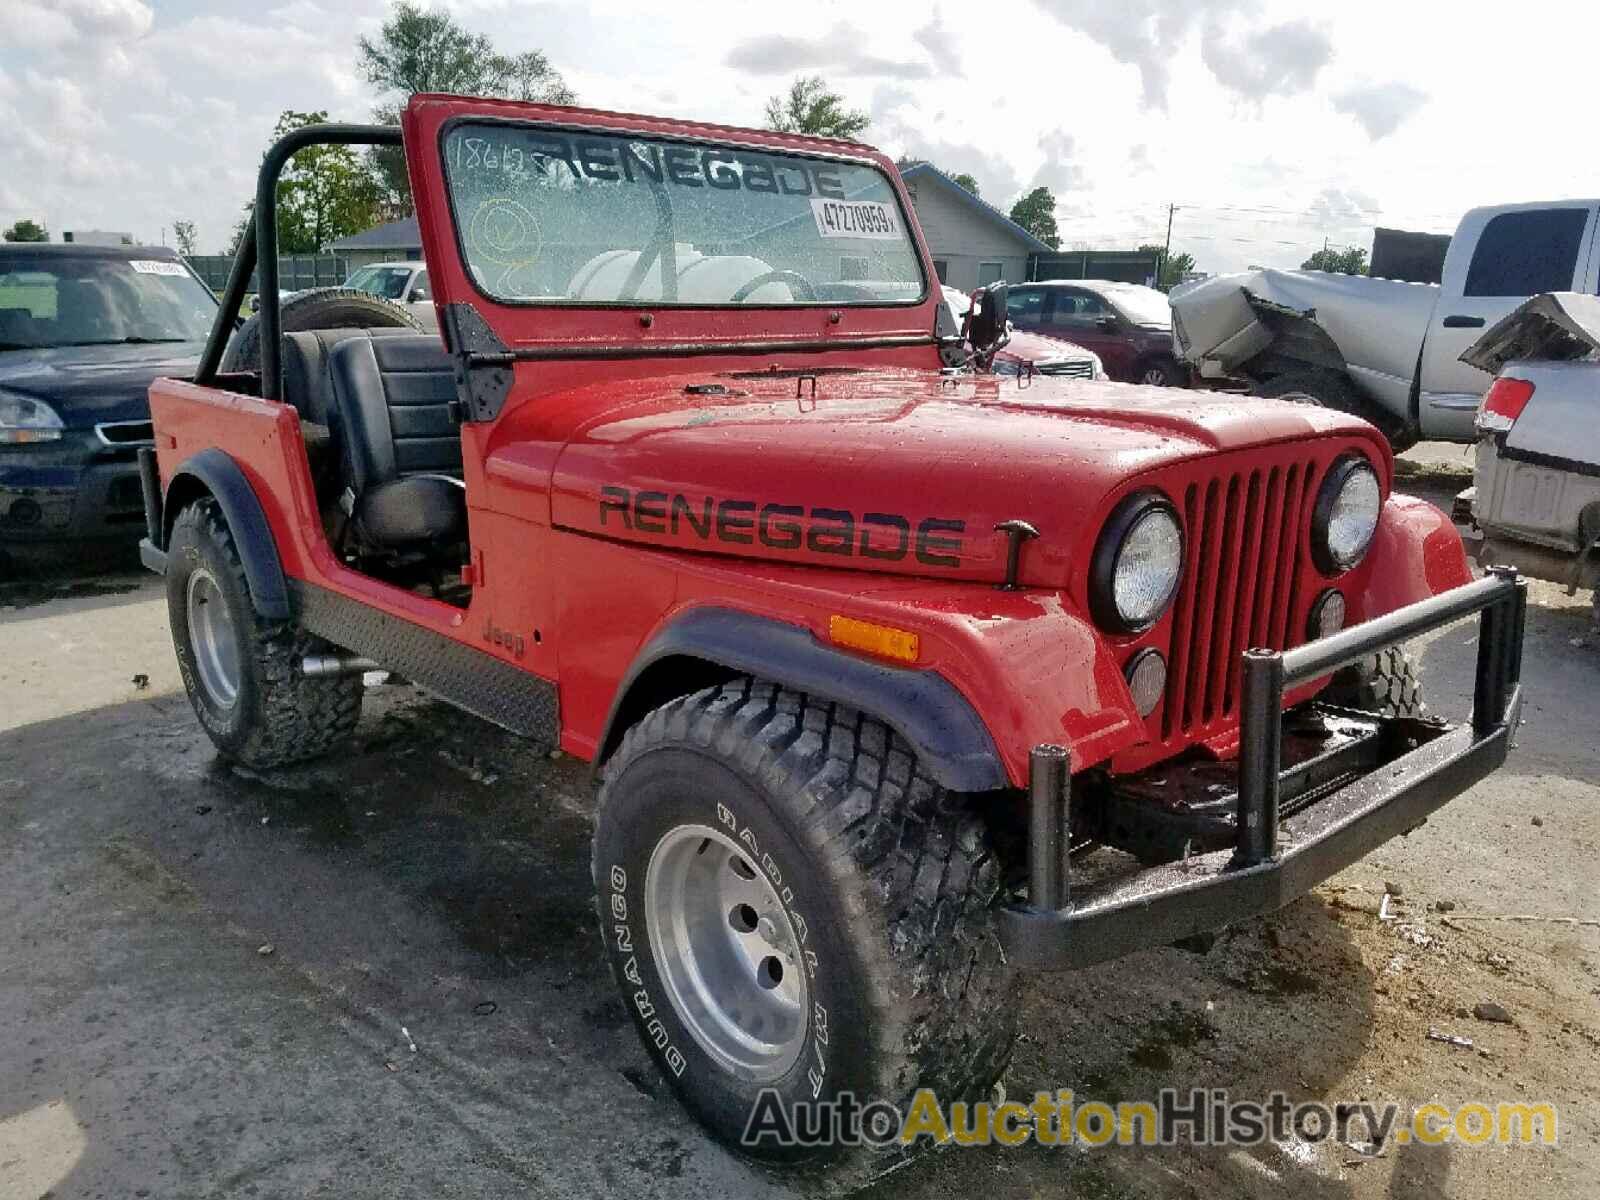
(1273,862)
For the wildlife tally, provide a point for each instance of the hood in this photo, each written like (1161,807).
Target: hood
(895,471)
(1036,347)
(1554,327)
(86,385)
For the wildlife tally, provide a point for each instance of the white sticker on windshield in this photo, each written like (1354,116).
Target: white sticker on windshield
(155,266)
(857,219)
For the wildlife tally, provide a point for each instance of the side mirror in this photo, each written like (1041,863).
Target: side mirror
(420,293)
(987,327)
(1109,324)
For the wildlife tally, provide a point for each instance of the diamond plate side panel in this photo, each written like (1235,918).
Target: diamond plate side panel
(480,683)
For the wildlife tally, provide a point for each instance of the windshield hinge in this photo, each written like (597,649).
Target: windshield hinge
(483,363)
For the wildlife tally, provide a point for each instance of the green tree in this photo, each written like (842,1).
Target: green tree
(324,193)
(425,50)
(1036,212)
(1173,269)
(183,235)
(1350,261)
(967,181)
(809,107)
(239,227)
(27,231)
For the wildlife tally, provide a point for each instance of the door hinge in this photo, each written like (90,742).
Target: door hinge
(484,366)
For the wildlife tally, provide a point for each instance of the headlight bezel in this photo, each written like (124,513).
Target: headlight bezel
(46,425)
(1125,518)
(1339,475)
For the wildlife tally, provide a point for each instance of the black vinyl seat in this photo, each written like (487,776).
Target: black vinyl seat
(391,409)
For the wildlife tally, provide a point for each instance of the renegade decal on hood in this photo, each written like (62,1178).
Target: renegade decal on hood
(887,537)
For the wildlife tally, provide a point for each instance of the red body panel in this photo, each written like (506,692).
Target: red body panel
(587,577)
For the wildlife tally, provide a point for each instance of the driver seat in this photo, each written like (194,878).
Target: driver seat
(401,447)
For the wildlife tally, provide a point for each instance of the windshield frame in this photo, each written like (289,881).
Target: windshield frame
(912,228)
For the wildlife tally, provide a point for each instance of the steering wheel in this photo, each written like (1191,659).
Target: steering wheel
(792,278)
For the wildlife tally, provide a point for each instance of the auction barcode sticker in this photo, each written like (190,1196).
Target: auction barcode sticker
(155,266)
(857,219)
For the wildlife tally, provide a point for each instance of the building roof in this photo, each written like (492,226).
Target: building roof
(978,205)
(391,235)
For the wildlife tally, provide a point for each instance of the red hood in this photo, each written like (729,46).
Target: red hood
(889,470)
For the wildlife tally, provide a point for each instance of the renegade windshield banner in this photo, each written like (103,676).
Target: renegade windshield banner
(600,218)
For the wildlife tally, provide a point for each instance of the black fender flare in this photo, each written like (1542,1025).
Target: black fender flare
(950,740)
(213,472)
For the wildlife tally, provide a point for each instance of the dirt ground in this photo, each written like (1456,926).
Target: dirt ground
(376,975)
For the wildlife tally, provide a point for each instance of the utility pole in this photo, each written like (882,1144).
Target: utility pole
(1166,250)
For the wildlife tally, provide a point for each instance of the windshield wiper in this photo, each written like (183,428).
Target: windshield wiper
(128,341)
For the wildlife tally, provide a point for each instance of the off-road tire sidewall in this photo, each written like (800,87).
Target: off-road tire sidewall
(672,786)
(195,545)
(279,717)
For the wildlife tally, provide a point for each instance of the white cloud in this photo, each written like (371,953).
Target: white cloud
(842,50)
(1380,108)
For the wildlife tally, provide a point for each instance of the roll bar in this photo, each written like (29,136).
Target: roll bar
(259,246)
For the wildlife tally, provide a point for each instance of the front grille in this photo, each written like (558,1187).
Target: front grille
(1244,544)
(126,433)
(1073,368)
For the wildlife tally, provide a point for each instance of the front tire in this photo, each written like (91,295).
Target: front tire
(1385,683)
(794,911)
(242,672)
(1325,389)
(1160,372)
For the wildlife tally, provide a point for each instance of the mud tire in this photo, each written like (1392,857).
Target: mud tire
(318,308)
(1386,683)
(893,876)
(278,716)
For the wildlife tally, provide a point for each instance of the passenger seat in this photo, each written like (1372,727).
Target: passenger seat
(392,399)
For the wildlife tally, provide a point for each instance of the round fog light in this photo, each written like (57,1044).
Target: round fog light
(1147,680)
(25,511)
(1327,615)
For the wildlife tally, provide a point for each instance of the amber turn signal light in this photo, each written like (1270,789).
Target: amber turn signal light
(881,640)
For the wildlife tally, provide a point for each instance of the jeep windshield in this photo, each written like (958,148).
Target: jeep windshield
(548,217)
(83,300)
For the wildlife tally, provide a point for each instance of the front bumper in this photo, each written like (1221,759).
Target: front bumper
(79,489)
(1272,863)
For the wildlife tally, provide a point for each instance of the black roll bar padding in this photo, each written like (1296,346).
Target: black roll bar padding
(259,247)
(1049,826)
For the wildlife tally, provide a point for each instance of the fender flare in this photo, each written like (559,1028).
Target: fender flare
(950,740)
(220,476)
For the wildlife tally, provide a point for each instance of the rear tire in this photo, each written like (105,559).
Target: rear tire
(318,308)
(811,822)
(242,672)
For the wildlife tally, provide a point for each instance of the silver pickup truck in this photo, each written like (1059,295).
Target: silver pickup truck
(1536,489)
(1385,350)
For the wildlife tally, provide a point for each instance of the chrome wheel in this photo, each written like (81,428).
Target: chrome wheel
(214,639)
(727,952)
(1156,376)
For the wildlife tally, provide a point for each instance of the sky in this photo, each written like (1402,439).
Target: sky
(1274,126)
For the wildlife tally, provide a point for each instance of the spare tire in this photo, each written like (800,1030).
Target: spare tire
(318,308)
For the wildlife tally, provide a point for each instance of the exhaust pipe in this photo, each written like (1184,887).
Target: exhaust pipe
(326,666)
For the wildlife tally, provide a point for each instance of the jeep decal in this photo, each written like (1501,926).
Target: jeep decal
(887,537)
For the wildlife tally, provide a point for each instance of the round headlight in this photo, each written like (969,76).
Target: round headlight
(1346,515)
(1137,562)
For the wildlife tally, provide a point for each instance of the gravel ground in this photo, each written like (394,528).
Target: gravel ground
(376,975)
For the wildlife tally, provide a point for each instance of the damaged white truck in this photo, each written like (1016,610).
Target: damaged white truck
(1381,349)
(1535,497)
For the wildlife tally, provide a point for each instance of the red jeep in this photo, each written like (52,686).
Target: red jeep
(867,644)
